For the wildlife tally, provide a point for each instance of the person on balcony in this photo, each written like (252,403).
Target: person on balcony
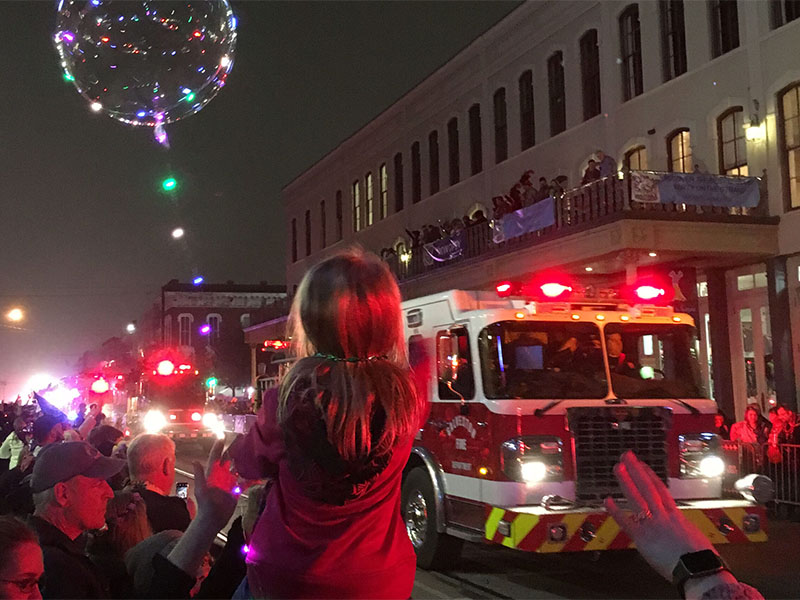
(592,173)
(606,165)
(544,189)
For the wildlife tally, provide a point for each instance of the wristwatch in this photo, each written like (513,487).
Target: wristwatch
(696,564)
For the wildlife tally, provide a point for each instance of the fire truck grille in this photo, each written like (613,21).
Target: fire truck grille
(602,434)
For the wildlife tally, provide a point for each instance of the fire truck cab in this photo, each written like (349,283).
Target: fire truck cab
(535,396)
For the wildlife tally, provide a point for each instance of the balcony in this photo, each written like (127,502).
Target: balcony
(654,200)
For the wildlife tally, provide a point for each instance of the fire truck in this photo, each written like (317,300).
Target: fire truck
(170,398)
(536,392)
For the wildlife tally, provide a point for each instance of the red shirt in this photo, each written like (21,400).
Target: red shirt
(305,548)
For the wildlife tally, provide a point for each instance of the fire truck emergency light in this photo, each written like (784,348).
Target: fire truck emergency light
(504,289)
(99,386)
(165,367)
(649,292)
(554,290)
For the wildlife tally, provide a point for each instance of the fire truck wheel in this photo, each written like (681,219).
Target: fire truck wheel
(434,550)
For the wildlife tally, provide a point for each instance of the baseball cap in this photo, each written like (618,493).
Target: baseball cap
(63,461)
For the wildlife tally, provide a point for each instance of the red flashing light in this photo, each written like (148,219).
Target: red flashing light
(165,368)
(554,290)
(197,34)
(504,289)
(276,344)
(196,416)
(649,292)
(100,386)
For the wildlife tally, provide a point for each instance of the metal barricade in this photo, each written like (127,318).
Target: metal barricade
(781,463)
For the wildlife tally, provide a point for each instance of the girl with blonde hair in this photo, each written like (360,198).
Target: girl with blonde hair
(335,438)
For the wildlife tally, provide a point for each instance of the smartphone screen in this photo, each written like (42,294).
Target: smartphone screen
(182,489)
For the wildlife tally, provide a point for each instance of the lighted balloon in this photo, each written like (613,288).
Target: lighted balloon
(146,63)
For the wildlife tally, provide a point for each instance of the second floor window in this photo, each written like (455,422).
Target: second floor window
(789,127)
(323,234)
(679,151)
(475,139)
(356,197)
(369,189)
(416,174)
(783,11)
(724,26)
(433,161)
(636,159)
(398,182)
(630,39)
(500,126)
(308,232)
(339,216)
(527,126)
(384,175)
(168,330)
(555,80)
(673,38)
(294,240)
(452,151)
(732,142)
(590,74)
(215,323)
(185,330)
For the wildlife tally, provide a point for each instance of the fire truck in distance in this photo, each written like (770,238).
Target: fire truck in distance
(170,398)
(536,393)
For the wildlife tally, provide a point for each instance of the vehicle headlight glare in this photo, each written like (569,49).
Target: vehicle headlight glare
(712,466)
(210,420)
(154,421)
(533,471)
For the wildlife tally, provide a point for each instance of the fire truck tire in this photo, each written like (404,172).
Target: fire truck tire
(434,550)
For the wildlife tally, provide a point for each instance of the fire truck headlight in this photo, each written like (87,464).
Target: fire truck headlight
(533,471)
(712,466)
(210,420)
(196,416)
(154,421)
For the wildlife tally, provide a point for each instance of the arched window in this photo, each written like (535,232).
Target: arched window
(630,40)
(384,176)
(244,320)
(732,142)
(168,330)
(556,90)
(185,321)
(679,151)
(500,126)
(452,151)
(214,321)
(370,194)
(356,196)
(673,38)
(433,161)
(526,117)
(789,128)
(475,140)
(590,74)
(636,159)
(416,174)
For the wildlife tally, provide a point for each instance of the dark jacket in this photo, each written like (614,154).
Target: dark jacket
(68,571)
(164,512)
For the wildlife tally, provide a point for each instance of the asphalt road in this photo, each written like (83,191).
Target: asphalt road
(496,572)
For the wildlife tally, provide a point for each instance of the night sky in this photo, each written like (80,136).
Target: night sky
(85,231)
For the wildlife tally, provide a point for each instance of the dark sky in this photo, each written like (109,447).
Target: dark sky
(84,231)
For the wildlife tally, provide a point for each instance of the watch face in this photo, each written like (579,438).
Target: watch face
(699,562)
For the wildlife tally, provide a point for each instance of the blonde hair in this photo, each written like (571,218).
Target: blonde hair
(348,307)
(147,452)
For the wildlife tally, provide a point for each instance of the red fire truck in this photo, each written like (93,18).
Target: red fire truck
(170,398)
(536,392)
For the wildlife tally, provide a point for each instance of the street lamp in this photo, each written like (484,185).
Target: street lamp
(15,314)
(130,328)
(177,233)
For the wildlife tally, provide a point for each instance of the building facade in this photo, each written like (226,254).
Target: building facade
(705,87)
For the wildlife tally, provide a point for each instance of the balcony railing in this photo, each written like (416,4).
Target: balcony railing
(636,195)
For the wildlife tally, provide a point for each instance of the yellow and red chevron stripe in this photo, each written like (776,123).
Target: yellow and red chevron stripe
(529,532)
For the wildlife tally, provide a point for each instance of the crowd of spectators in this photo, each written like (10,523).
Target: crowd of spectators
(780,426)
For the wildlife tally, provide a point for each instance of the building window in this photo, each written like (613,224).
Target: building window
(323,234)
(370,193)
(215,323)
(356,196)
(636,159)
(784,11)
(452,150)
(384,175)
(500,126)
(631,47)
(789,127)
(724,26)
(185,329)
(732,142)
(398,182)
(526,118)
(416,174)
(555,80)
(294,240)
(590,74)
(673,38)
(475,139)
(168,330)
(433,161)
(679,151)
(244,320)
(308,232)
(339,216)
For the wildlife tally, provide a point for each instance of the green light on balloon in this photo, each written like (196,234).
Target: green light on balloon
(189,97)
(169,184)
(647,372)
(211,382)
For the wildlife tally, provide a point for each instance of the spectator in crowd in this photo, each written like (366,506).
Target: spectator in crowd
(789,432)
(544,189)
(104,438)
(331,484)
(663,535)
(21,565)
(46,430)
(70,496)
(592,173)
(81,415)
(151,465)
(605,164)
(751,429)
(721,426)
(14,443)
(478,218)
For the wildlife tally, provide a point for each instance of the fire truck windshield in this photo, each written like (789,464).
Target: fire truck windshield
(653,361)
(542,360)
(174,392)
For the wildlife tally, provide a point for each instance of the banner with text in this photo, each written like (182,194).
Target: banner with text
(696,189)
(525,220)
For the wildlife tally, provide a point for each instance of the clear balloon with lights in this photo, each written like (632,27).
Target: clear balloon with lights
(146,63)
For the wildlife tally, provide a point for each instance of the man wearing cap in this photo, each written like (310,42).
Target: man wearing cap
(47,429)
(70,494)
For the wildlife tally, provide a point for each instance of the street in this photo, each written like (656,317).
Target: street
(495,572)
